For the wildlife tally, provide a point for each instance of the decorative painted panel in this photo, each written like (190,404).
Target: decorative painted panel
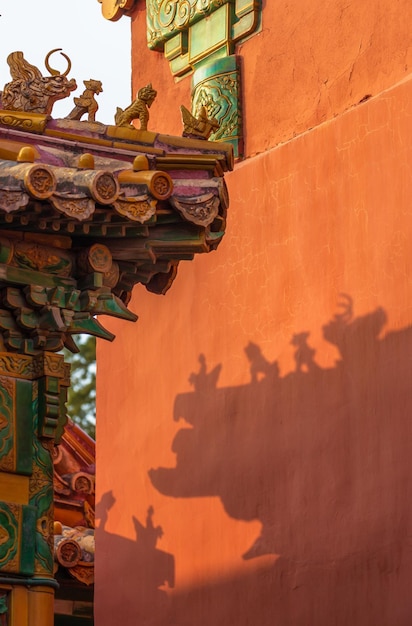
(41,494)
(32,414)
(167,17)
(200,36)
(4,607)
(217,88)
(17,523)
(15,426)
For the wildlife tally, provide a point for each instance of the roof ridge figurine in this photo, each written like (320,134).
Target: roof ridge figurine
(29,90)
(86,103)
(138,109)
(200,127)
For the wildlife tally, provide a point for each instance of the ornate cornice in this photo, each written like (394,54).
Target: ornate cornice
(88,210)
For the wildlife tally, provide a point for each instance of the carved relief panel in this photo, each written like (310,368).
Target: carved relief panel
(199,37)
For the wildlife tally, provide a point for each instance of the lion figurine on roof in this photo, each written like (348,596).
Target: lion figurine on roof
(139,109)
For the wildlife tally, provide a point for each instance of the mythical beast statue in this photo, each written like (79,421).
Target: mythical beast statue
(30,91)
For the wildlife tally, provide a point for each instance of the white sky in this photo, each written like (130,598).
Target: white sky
(97,48)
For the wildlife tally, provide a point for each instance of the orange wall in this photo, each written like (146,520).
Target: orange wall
(312,60)
(281,481)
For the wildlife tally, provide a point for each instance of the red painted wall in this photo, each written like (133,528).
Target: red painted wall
(277,465)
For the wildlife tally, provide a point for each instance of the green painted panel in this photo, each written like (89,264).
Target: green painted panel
(216,86)
(180,65)
(24,435)
(213,68)
(17,536)
(167,17)
(41,495)
(7,424)
(176,46)
(28,540)
(208,34)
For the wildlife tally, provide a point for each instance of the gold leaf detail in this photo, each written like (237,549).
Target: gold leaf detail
(136,210)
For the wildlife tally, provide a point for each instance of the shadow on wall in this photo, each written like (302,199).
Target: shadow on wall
(139,560)
(321,457)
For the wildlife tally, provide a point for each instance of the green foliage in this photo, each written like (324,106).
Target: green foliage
(81,403)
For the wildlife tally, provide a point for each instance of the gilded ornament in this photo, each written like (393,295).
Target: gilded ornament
(199,127)
(38,481)
(167,17)
(42,258)
(105,188)
(114,9)
(77,208)
(7,425)
(9,536)
(161,185)
(97,258)
(137,210)
(54,365)
(20,366)
(217,88)
(13,200)
(86,103)
(27,154)
(86,161)
(84,573)
(158,183)
(67,552)
(30,91)
(140,163)
(137,110)
(200,210)
(34,122)
(43,527)
(40,182)
(89,514)
(82,483)
(8,462)
(41,497)
(56,72)
(111,278)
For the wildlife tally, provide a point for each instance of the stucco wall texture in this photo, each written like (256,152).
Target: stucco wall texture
(260,410)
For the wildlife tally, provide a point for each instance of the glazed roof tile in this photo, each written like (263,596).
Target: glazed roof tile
(90,210)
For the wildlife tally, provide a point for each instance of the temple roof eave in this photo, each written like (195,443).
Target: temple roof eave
(91,210)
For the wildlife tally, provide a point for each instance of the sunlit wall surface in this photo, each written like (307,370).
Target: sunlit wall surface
(253,430)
